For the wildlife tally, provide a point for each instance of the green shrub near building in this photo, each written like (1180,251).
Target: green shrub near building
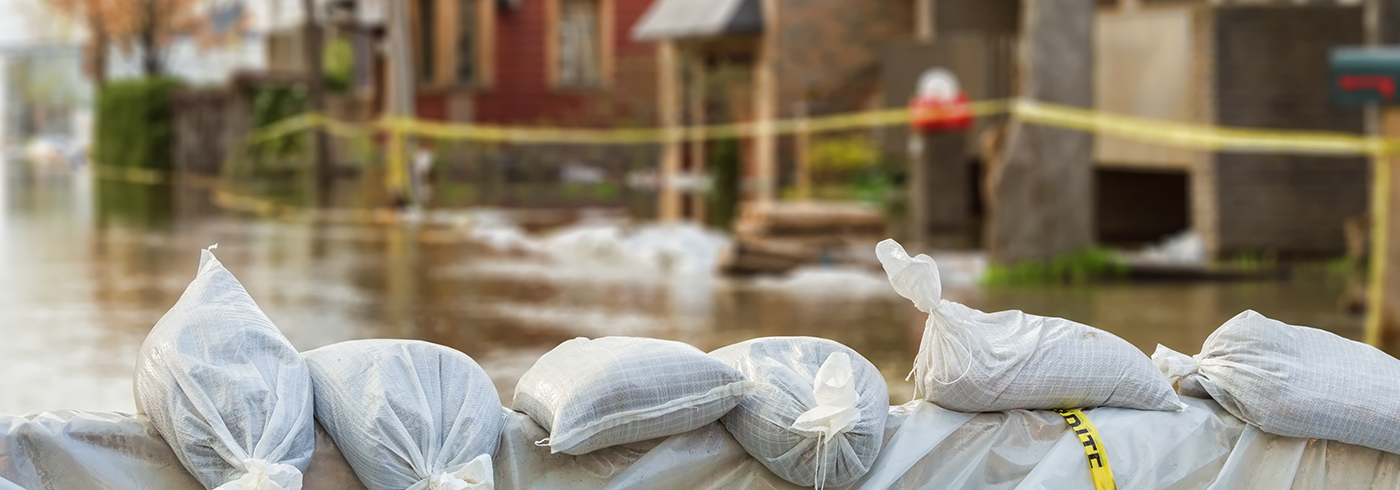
(135,124)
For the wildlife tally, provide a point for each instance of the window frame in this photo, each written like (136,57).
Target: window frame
(606,43)
(445,54)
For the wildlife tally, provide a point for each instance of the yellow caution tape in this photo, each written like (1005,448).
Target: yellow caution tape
(1201,137)
(135,175)
(1155,131)
(544,135)
(1093,448)
(1380,247)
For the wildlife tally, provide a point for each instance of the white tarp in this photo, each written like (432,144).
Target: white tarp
(926,447)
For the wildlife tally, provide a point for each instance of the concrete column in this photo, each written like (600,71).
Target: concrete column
(766,107)
(1044,189)
(668,91)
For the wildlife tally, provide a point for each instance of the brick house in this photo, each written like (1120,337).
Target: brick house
(533,62)
(561,63)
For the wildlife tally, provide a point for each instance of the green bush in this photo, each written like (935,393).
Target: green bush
(271,105)
(135,124)
(1075,268)
(338,64)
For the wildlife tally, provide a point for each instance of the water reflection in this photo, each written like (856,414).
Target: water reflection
(88,269)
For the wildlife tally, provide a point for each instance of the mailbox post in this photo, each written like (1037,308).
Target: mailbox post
(939,199)
(1371,76)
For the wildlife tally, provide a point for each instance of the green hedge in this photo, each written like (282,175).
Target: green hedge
(135,124)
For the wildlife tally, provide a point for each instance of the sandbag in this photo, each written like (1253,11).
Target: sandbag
(223,386)
(816,416)
(592,394)
(972,361)
(1294,381)
(408,414)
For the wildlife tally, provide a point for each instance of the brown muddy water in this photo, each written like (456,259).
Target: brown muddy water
(87,267)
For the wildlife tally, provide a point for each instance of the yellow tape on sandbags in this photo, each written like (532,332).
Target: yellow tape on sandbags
(1147,130)
(1093,448)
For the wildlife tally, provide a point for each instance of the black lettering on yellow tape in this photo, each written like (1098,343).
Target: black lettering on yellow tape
(1093,448)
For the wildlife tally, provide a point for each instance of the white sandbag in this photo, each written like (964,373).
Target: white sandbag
(592,394)
(408,414)
(1294,381)
(817,414)
(226,389)
(972,361)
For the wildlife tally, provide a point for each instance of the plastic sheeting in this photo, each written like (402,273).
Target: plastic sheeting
(1200,447)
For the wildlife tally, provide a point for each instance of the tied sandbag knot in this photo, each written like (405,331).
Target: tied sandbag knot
(264,475)
(1175,365)
(916,279)
(834,388)
(475,475)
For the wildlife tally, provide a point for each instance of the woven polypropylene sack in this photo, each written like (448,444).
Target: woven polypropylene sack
(784,371)
(592,394)
(1294,381)
(972,361)
(225,388)
(408,414)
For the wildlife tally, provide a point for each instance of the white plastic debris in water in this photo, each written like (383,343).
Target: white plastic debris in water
(680,248)
(226,389)
(826,283)
(1294,381)
(501,235)
(972,361)
(1186,247)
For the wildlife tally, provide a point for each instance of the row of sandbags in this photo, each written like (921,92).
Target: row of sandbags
(1287,380)
(238,404)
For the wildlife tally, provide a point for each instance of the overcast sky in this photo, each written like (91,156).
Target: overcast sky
(25,21)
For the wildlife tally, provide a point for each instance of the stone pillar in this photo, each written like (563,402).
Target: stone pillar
(1043,188)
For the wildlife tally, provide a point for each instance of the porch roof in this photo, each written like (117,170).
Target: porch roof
(684,19)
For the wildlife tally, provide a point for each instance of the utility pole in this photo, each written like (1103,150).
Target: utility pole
(316,103)
(399,100)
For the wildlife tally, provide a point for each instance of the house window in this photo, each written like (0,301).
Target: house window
(427,35)
(579,43)
(466,42)
(453,40)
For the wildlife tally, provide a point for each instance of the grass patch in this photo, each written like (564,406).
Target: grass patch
(1076,268)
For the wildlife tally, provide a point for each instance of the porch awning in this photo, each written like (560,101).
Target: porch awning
(683,19)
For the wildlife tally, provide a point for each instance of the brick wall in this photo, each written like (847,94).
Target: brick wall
(830,50)
(520,92)
(1270,71)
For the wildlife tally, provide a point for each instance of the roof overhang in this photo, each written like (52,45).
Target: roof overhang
(689,19)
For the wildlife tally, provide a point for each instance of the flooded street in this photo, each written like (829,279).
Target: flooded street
(80,288)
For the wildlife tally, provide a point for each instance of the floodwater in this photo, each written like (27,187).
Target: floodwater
(87,267)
